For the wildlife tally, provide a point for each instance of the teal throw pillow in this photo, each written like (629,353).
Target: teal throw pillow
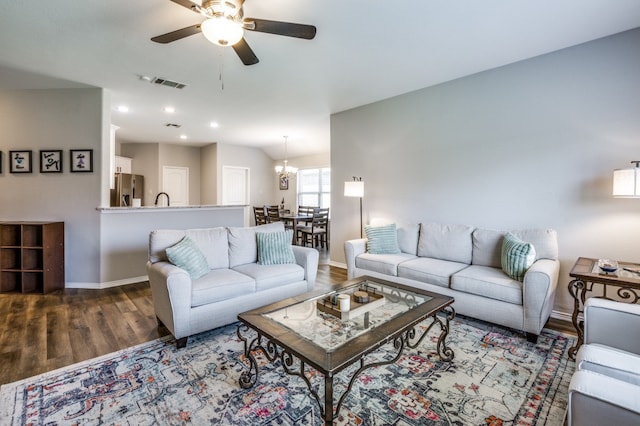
(187,255)
(517,256)
(382,239)
(274,248)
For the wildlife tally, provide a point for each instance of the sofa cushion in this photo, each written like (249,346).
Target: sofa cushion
(382,263)
(446,242)
(243,247)
(488,282)
(220,284)
(160,239)
(408,238)
(274,248)
(186,255)
(271,276)
(213,243)
(517,256)
(545,241)
(382,239)
(487,247)
(429,270)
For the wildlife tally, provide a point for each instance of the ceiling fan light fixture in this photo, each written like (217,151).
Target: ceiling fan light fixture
(222,31)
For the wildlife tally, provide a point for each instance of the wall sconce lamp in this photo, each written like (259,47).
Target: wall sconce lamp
(626,182)
(355,188)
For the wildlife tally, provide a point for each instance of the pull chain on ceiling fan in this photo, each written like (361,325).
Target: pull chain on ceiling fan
(225,25)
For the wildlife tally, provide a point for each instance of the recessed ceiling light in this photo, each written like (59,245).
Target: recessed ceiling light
(122,108)
(183,137)
(214,125)
(169,109)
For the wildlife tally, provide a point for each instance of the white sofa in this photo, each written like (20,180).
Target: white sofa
(235,283)
(605,389)
(465,262)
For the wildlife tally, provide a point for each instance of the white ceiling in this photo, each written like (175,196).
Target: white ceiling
(364,51)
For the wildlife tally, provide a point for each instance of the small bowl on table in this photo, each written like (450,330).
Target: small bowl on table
(608,266)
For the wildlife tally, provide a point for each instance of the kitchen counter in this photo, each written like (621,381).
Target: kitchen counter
(165,208)
(124,235)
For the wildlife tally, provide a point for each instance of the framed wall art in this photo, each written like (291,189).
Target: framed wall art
(81,160)
(20,162)
(51,161)
(284,181)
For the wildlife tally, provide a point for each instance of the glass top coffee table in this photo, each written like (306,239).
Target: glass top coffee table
(310,330)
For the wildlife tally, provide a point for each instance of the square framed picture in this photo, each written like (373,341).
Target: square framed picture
(20,162)
(284,182)
(81,160)
(51,161)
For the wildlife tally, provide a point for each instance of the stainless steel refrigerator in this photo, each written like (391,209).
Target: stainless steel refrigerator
(127,187)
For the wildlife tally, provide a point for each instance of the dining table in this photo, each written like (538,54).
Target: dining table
(294,219)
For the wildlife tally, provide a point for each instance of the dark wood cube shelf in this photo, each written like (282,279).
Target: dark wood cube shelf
(31,257)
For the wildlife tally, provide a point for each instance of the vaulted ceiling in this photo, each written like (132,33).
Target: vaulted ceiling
(364,51)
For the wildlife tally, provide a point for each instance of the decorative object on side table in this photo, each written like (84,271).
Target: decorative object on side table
(587,275)
(608,266)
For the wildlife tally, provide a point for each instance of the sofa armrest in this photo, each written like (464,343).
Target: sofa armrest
(171,292)
(353,248)
(538,293)
(595,399)
(307,257)
(611,323)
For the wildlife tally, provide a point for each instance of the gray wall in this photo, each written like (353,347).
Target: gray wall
(532,144)
(57,119)
(208,175)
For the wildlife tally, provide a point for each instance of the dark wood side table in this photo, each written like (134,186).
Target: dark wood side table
(586,275)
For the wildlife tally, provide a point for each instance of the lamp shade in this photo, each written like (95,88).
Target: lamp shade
(354,189)
(626,183)
(222,31)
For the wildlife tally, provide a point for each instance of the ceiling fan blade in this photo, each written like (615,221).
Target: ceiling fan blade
(283,28)
(245,53)
(188,4)
(177,34)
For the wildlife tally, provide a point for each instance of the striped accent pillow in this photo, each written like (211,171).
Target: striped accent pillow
(382,239)
(186,255)
(274,248)
(517,256)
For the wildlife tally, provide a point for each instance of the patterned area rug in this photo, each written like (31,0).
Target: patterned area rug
(496,378)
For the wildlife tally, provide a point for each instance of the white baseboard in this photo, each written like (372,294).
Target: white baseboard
(108,284)
(338,264)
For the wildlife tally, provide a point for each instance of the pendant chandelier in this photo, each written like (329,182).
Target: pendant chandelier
(286,169)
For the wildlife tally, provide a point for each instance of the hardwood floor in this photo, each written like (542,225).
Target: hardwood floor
(45,332)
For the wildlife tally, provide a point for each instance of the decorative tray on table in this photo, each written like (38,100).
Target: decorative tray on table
(362,301)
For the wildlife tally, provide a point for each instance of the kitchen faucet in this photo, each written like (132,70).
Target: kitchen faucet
(158,196)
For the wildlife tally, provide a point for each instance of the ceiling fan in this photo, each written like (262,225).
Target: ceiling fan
(225,25)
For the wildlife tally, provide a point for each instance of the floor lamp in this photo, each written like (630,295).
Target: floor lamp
(355,188)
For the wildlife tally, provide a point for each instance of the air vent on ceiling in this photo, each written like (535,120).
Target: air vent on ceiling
(177,126)
(169,83)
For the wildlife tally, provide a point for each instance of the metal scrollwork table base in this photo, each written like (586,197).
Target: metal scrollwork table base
(297,354)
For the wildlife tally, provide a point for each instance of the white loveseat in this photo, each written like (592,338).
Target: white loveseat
(465,262)
(605,389)
(235,283)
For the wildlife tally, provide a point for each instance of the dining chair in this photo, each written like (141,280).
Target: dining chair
(317,233)
(273,213)
(260,217)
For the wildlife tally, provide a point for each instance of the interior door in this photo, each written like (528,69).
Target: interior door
(235,185)
(175,182)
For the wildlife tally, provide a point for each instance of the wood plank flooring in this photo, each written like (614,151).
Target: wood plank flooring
(44,332)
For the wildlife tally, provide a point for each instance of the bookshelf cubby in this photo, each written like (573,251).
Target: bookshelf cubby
(31,257)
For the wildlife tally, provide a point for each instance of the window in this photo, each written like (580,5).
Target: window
(314,187)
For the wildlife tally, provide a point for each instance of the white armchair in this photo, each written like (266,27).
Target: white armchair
(605,389)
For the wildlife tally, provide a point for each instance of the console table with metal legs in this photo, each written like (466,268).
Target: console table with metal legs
(587,278)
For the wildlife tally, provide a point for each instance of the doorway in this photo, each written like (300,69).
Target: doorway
(235,185)
(175,182)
